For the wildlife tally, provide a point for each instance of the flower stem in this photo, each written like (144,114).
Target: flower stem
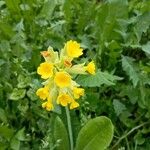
(69,128)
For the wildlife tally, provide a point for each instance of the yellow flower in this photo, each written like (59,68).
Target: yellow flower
(74,104)
(73,49)
(42,93)
(48,106)
(64,99)
(45,70)
(91,68)
(77,92)
(62,79)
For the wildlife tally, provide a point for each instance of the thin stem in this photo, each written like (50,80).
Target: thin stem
(128,133)
(69,128)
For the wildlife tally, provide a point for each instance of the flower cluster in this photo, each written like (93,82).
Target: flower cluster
(59,87)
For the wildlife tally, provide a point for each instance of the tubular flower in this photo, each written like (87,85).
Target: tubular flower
(78,92)
(64,99)
(48,106)
(91,68)
(73,49)
(42,93)
(62,79)
(45,70)
(74,104)
(57,70)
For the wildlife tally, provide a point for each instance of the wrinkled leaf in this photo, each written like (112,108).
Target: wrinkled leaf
(96,134)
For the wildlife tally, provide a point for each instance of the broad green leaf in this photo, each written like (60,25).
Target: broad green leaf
(146,47)
(107,19)
(20,135)
(142,25)
(17,94)
(98,79)
(6,132)
(130,69)
(15,144)
(3,116)
(96,134)
(61,135)
(48,9)
(118,106)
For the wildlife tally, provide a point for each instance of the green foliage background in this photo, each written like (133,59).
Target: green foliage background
(115,33)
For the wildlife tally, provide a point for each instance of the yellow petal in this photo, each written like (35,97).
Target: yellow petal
(45,70)
(91,68)
(62,79)
(64,99)
(42,93)
(48,106)
(74,104)
(78,92)
(73,49)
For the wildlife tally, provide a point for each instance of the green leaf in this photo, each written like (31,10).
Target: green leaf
(17,94)
(15,144)
(146,47)
(3,116)
(20,135)
(118,106)
(96,134)
(142,25)
(48,9)
(6,132)
(60,135)
(130,69)
(98,79)
(23,81)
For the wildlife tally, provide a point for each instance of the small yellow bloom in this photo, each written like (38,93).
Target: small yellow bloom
(48,106)
(64,99)
(45,70)
(62,79)
(91,68)
(73,49)
(74,104)
(77,92)
(42,93)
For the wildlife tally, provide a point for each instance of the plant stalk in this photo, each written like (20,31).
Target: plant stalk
(69,128)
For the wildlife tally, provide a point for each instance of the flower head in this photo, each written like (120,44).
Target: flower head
(42,93)
(59,86)
(62,79)
(73,49)
(91,68)
(45,70)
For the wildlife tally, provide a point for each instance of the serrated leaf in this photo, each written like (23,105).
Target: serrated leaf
(96,134)
(118,106)
(98,79)
(130,69)
(60,134)
(142,25)
(17,94)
